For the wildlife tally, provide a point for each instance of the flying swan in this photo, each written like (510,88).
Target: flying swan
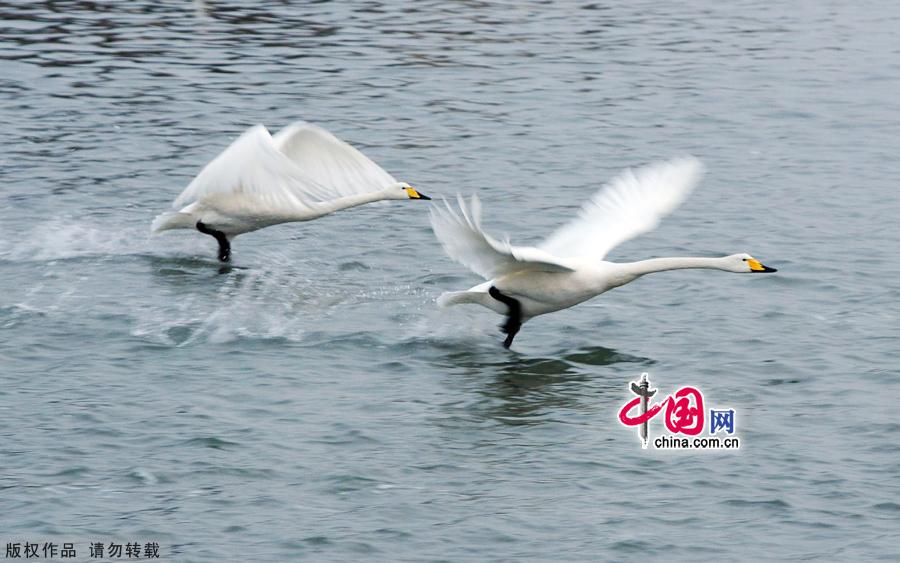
(568,268)
(300,174)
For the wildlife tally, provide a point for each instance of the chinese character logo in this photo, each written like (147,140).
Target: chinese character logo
(721,420)
(684,414)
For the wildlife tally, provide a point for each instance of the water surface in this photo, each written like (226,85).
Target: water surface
(312,402)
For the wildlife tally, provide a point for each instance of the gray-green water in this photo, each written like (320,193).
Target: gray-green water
(313,402)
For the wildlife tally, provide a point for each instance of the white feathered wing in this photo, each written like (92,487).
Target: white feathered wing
(329,161)
(464,241)
(253,168)
(631,204)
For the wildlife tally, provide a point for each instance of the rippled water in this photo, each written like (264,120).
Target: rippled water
(311,401)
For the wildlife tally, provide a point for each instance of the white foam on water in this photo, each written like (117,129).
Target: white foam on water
(264,304)
(64,238)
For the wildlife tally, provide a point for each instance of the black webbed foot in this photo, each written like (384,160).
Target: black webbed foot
(514,315)
(224,245)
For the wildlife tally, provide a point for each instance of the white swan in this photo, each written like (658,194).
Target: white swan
(568,267)
(302,173)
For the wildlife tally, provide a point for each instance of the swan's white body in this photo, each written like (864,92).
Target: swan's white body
(543,292)
(568,268)
(302,173)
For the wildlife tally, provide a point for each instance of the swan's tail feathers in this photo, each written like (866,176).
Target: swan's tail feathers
(459,297)
(173,220)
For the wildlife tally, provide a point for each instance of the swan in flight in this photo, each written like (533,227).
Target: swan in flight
(568,267)
(300,174)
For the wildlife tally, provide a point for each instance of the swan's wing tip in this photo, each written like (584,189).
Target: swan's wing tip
(630,204)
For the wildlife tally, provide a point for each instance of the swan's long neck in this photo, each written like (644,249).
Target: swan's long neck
(643,267)
(346,202)
(349,201)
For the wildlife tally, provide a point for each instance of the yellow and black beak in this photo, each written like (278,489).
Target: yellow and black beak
(413,194)
(756,267)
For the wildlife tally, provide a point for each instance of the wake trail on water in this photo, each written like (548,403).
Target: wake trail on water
(172,291)
(265,304)
(66,238)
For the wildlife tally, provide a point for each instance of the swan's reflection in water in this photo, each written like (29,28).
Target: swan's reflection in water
(522,390)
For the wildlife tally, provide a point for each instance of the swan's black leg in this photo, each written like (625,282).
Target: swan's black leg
(224,245)
(513,316)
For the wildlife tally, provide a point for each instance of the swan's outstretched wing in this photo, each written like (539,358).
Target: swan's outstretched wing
(631,204)
(330,161)
(253,168)
(465,241)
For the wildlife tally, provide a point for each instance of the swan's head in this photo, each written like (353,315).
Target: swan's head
(408,192)
(746,264)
